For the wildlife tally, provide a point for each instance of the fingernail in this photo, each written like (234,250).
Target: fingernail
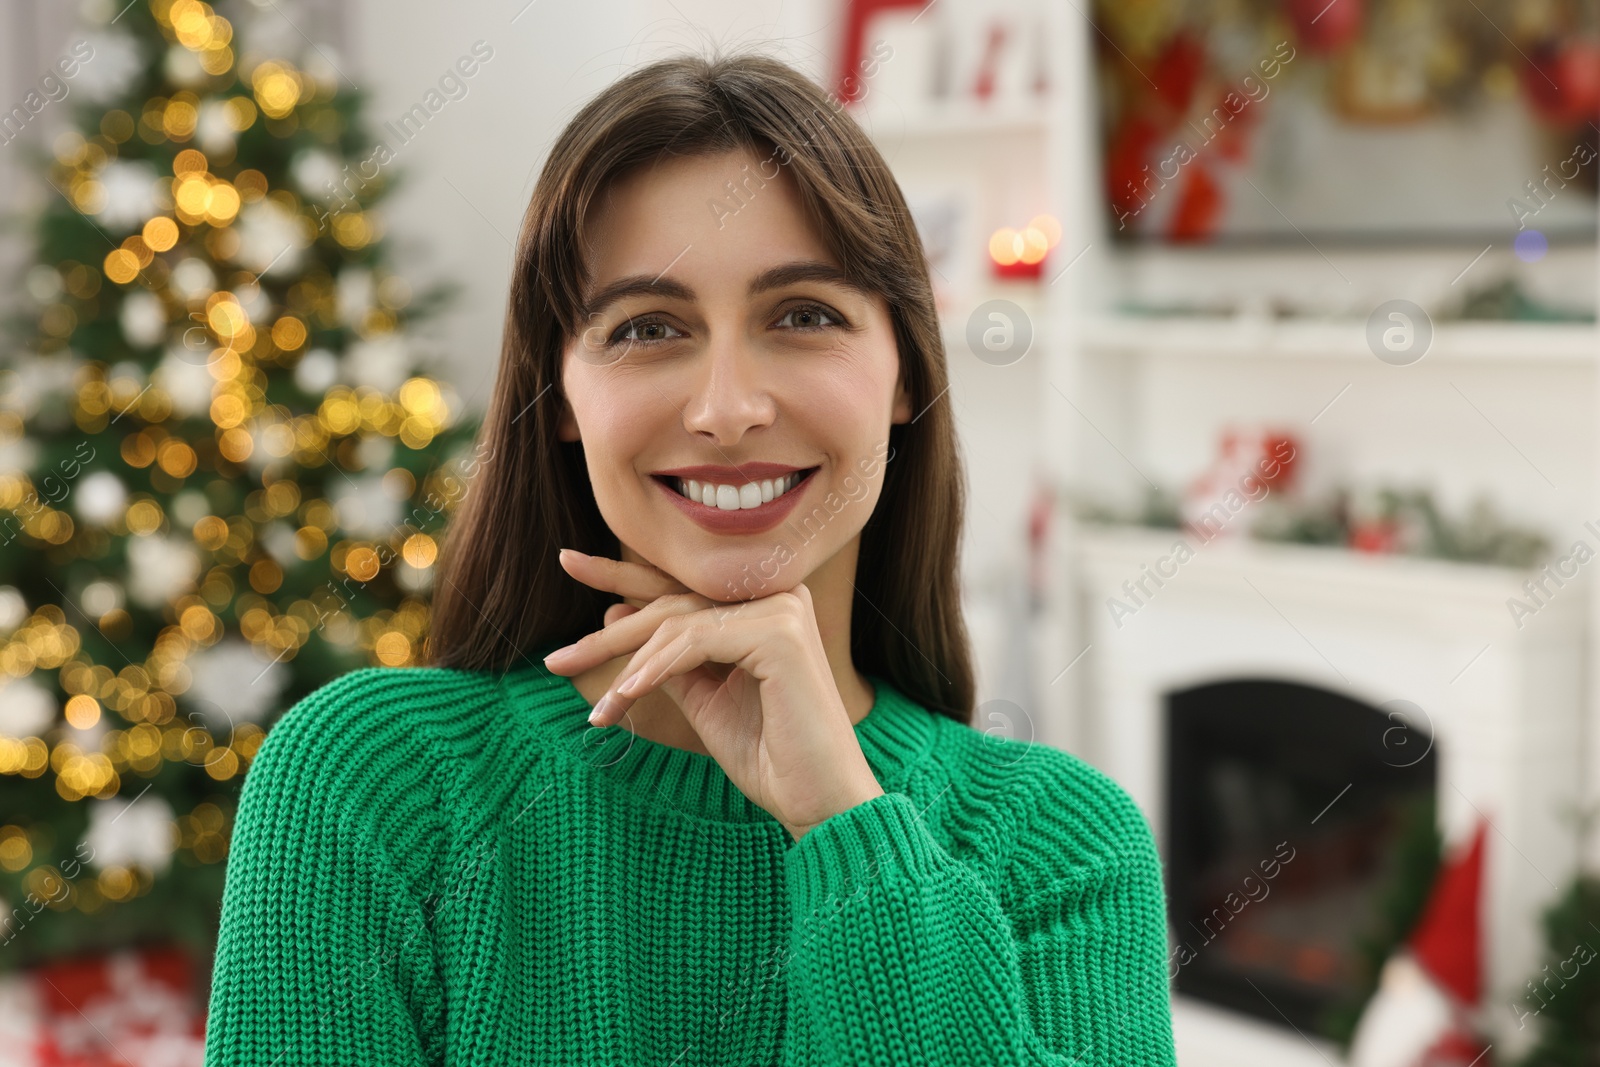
(575,553)
(600,709)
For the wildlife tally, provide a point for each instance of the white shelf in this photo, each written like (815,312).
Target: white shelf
(1185,336)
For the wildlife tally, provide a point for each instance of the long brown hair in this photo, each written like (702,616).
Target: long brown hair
(501,592)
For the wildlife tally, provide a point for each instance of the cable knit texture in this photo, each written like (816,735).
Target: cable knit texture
(435,866)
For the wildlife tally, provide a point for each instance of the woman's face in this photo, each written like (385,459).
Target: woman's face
(722,334)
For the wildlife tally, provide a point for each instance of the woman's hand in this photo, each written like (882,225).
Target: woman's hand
(775,723)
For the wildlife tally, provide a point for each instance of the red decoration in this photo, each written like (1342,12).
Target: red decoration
(983,84)
(133,1007)
(1125,162)
(1562,81)
(1325,25)
(1200,205)
(1381,535)
(1178,69)
(1018,271)
(1447,940)
(856,17)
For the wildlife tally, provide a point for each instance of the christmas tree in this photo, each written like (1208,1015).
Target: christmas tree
(223,473)
(1561,1002)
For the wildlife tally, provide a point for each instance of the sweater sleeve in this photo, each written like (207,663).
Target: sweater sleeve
(323,955)
(900,954)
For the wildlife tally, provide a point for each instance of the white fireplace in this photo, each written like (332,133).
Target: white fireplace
(1501,704)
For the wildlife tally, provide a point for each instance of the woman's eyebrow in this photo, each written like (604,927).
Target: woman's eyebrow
(809,270)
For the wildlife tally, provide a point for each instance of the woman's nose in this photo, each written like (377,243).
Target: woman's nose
(730,393)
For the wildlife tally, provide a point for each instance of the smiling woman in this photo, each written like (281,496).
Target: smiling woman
(691,777)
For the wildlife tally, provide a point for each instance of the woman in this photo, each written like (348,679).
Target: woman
(777,839)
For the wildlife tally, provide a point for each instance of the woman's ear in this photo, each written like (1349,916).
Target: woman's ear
(902,401)
(567,423)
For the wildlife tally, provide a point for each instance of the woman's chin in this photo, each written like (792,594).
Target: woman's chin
(734,584)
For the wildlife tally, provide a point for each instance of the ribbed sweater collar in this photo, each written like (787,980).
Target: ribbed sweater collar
(894,736)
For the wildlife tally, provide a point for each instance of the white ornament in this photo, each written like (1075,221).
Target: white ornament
(353,294)
(130,187)
(316,372)
(111,68)
(366,509)
(255,303)
(317,173)
(193,278)
(13,609)
(123,833)
(19,453)
(279,540)
(100,597)
(271,238)
(259,458)
(189,507)
(87,738)
(126,369)
(100,498)
(31,381)
(375,451)
(27,709)
(160,569)
(232,684)
(213,129)
(183,375)
(413,579)
(43,282)
(380,362)
(183,67)
(143,318)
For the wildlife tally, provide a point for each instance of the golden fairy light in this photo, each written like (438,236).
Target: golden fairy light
(189,161)
(235,444)
(277,88)
(210,533)
(177,458)
(144,517)
(241,114)
(420,550)
(310,542)
(288,333)
(82,711)
(121,266)
(160,233)
(179,117)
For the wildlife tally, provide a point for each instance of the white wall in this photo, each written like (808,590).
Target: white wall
(471,170)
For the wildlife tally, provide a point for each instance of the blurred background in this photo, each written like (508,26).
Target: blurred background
(1272,335)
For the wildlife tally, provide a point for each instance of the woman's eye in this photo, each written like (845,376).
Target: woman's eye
(644,326)
(812,312)
(646,332)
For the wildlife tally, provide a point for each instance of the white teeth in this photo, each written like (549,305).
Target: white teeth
(737,497)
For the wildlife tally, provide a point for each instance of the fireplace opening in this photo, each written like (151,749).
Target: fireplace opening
(1292,814)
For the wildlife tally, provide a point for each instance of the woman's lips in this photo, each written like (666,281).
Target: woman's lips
(743,521)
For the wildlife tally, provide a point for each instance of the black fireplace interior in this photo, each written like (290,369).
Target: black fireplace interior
(1289,813)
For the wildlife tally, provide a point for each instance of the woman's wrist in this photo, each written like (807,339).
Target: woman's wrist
(850,798)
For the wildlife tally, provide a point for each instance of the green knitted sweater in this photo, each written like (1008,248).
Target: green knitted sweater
(435,866)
